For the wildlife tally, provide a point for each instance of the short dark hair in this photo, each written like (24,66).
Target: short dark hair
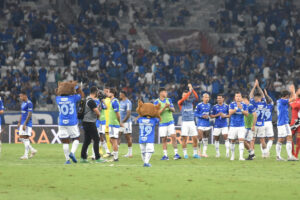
(94,90)
(23,92)
(162,89)
(284,93)
(221,95)
(237,92)
(123,92)
(113,90)
(257,94)
(185,91)
(245,97)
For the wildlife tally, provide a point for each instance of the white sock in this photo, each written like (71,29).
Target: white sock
(278,149)
(105,147)
(30,147)
(165,153)
(199,145)
(184,152)
(26,145)
(195,151)
(241,148)
(232,147)
(217,146)
(289,148)
(227,145)
(93,152)
(66,151)
(147,157)
(116,154)
(269,145)
(176,151)
(75,146)
(130,151)
(143,157)
(205,144)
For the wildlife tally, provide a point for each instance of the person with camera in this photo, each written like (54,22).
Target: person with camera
(91,114)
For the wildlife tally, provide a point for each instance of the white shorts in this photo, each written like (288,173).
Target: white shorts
(284,131)
(269,129)
(68,132)
(202,128)
(127,129)
(101,129)
(219,131)
(188,129)
(114,132)
(147,148)
(165,131)
(259,131)
(236,133)
(249,135)
(27,131)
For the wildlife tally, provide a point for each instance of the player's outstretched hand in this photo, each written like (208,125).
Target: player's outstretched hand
(190,86)
(256,83)
(292,88)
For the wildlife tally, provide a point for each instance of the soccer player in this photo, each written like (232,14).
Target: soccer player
(283,127)
(202,113)
(166,125)
(68,123)
(1,113)
(268,122)
(237,111)
(126,128)
(25,124)
(258,100)
(114,122)
(101,129)
(188,127)
(250,122)
(107,102)
(220,112)
(147,137)
(100,124)
(295,117)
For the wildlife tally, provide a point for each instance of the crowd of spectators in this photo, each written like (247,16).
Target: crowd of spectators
(39,49)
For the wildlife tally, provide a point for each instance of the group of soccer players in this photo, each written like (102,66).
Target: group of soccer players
(245,119)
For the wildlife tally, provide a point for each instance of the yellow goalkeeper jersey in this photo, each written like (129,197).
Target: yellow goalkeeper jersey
(107,102)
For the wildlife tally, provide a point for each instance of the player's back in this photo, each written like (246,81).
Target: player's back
(187,110)
(268,112)
(125,106)
(67,109)
(147,129)
(282,112)
(26,107)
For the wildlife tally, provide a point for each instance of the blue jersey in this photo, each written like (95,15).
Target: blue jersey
(201,110)
(1,108)
(26,107)
(147,129)
(260,108)
(187,110)
(219,121)
(97,101)
(237,119)
(282,112)
(268,112)
(67,109)
(125,106)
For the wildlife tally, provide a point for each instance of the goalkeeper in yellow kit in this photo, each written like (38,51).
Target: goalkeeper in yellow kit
(107,102)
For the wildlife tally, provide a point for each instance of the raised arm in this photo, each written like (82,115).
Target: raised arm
(293,93)
(251,95)
(269,99)
(260,90)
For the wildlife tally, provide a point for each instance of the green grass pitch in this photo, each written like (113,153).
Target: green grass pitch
(46,177)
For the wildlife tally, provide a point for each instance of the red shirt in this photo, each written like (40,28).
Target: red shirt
(295,105)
